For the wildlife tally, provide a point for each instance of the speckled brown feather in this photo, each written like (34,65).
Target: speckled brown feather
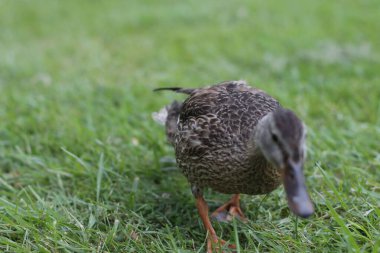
(213,141)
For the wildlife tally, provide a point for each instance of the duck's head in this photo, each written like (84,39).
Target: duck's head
(281,139)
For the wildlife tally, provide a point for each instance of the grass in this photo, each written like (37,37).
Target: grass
(81,159)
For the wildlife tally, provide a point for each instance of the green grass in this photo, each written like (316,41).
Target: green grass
(80,155)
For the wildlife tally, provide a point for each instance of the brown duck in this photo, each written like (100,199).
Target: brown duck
(237,139)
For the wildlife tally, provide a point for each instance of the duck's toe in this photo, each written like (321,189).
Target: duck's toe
(226,215)
(229,210)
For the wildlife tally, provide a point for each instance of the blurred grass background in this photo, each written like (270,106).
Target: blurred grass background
(80,155)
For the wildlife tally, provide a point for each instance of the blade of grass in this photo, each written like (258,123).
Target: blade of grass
(99,176)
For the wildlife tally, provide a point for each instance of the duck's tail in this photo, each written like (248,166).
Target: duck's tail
(168,116)
(188,91)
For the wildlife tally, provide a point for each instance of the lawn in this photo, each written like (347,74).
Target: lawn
(83,165)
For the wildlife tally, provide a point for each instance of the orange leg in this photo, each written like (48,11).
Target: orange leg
(229,210)
(212,241)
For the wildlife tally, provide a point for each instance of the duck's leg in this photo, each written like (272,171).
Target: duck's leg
(213,242)
(229,210)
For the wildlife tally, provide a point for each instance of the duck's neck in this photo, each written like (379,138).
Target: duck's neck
(258,134)
(261,129)
(264,171)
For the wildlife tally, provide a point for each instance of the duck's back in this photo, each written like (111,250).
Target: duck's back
(213,132)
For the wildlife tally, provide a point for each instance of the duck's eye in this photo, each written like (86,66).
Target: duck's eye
(275,138)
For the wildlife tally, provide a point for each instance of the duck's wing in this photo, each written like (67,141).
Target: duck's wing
(216,116)
(233,105)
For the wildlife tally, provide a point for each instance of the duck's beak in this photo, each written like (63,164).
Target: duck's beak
(298,198)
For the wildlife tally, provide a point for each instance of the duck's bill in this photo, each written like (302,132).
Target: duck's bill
(298,198)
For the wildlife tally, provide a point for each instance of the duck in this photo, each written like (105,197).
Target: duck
(236,139)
